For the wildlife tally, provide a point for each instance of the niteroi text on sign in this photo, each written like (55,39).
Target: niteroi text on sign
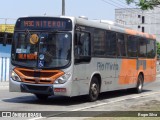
(45,24)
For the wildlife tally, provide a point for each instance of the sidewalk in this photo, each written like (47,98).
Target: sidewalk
(4,84)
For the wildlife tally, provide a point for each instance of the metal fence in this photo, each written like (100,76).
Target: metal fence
(4,69)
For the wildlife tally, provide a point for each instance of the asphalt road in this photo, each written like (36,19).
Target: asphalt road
(109,101)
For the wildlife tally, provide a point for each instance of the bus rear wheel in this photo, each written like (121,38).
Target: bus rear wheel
(94,90)
(41,96)
(139,86)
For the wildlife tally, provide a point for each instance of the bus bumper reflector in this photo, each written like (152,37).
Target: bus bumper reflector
(60,90)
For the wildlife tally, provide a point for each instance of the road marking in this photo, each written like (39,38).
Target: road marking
(4,99)
(101,104)
(37,118)
(119,100)
(4,87)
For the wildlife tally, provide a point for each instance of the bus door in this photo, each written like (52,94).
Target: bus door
(82,55)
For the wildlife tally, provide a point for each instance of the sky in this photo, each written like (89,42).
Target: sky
(93,9)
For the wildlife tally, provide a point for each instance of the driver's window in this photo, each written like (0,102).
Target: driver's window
(82,44)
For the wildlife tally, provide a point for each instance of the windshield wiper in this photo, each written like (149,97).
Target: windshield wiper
(27,31)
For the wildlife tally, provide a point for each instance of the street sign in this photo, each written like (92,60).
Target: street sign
(7,28)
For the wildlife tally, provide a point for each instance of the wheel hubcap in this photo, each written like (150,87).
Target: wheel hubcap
(94,89)
(140,85)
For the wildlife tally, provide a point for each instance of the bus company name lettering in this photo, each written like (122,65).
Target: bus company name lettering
(107,66)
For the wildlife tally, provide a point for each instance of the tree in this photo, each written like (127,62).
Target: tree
(158,49)
(145,4)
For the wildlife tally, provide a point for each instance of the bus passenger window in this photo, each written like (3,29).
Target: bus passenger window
(82,44)
(111,43)
(121,48)
(85,44)
(132,45)
(99,42)
(142,47)
(151,48)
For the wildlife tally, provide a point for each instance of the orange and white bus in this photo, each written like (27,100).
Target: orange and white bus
(68,56)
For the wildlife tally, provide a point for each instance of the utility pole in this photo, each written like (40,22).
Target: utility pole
(63,7)
(5,24)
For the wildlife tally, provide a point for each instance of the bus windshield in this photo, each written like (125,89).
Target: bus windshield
(41,49)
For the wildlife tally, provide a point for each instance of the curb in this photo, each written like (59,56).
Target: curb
(4,84)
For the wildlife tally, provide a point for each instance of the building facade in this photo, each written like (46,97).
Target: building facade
(144,21)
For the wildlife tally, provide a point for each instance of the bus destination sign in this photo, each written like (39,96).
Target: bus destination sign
(44,23)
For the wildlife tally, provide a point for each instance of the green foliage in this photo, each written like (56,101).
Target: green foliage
(158,49)
(130,1)
(145,4)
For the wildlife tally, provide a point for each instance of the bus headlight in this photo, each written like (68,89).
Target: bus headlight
(15,77)
(63,78)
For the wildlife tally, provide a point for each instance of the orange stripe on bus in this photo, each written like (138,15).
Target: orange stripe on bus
(43,77)
(129,71)
(134,32)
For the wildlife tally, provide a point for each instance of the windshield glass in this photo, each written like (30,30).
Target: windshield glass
(41,49)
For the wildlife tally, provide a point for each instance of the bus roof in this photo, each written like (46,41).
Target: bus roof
(114,27)
(103,25)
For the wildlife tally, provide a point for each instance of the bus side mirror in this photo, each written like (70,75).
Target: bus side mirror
(5,39)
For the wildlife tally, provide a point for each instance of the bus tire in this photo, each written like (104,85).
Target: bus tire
(41,96)
(94,90)
(139,86)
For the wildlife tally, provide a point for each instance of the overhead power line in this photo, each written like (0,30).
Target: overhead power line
(130,9)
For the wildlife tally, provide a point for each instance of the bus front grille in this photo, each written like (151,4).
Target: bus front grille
(37,89)
(37,81)
(38,76)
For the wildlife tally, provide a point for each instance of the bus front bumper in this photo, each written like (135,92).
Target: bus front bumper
(47,89)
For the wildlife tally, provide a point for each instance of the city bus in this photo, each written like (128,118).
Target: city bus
(69,56)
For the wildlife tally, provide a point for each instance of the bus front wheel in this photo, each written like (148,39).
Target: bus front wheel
(94,90)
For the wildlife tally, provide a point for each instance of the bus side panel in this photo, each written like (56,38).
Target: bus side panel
(80,84)
(115,74)
(83,74)
(148,68)
(127,76)
(131,68)
(107,68)
(149,71)
(154,67)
